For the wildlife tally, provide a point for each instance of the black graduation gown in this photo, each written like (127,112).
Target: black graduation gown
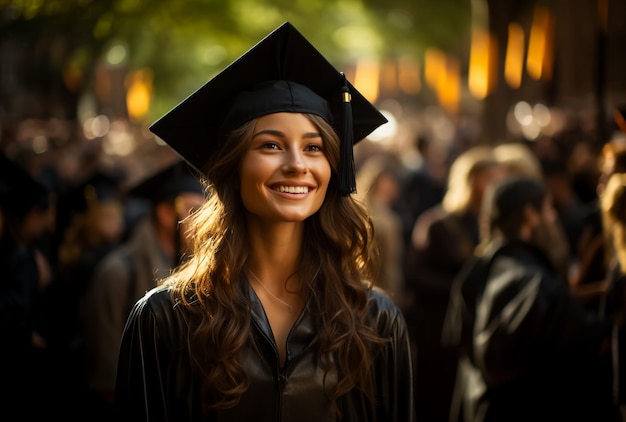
(155,381)
(21,363)
(528,349)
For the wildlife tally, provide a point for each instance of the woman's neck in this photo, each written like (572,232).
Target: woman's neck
(275,251)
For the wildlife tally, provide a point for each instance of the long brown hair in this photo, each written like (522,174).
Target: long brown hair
(613,206)
(337,254)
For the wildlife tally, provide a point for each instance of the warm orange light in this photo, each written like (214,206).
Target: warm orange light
(72,77)
(367,78)
(548,55)
(389,78)
(442,73)
(540,36)
(434,66)
(139,92)
(479,79)
(409,75)
(514,60)
(449,87)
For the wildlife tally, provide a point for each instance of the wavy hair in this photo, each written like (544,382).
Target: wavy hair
(613,206)
(212,289)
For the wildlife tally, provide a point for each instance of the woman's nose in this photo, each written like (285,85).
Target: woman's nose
(295,162)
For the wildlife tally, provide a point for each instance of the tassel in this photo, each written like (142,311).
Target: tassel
(347,178)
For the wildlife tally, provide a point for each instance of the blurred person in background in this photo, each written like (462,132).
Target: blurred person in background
(519,160)
(96,227)
(528,349)
(25,275)
(421,188)
(569,207)
(443,239)
(157,245)
(588,282)
(613,207)
(378,187)
(613,299)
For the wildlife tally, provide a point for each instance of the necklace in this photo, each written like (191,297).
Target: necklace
(270,293)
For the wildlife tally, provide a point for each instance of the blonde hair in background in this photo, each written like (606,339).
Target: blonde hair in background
(462,174)
(519,159)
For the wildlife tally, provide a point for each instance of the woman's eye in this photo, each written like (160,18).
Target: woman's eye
(314,148)
(270,145)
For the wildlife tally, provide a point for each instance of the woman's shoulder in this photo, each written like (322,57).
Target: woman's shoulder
(384,311)
(157,314)
(158,304)
(381,297)
(158,296)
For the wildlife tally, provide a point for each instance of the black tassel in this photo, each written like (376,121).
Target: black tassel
(347,178)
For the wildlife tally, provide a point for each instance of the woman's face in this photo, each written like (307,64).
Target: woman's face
(109,220)
(284,173)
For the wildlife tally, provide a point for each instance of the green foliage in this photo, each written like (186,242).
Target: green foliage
(185,42)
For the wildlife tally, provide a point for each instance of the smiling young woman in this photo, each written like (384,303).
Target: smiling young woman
(274,317)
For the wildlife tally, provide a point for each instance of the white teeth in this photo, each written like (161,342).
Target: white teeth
(292,189)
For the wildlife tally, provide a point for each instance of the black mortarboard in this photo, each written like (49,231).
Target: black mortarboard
(168,183)
(283,72)
(21,192)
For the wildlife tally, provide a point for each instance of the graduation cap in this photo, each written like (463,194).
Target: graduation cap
(168,183)
(20,192)
(281,73)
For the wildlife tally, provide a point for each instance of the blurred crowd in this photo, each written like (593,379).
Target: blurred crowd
(75,258)
(76,254)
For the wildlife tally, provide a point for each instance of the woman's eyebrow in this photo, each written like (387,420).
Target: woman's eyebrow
(312,135)
(269,132)
(281,134)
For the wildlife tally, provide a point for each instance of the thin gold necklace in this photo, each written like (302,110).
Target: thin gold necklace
(269,292)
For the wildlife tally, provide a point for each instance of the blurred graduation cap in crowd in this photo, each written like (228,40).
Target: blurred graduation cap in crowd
(281,73)
(166,184)
(19,191)
(164,187)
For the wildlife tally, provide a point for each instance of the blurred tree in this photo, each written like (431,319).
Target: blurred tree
(55,47)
